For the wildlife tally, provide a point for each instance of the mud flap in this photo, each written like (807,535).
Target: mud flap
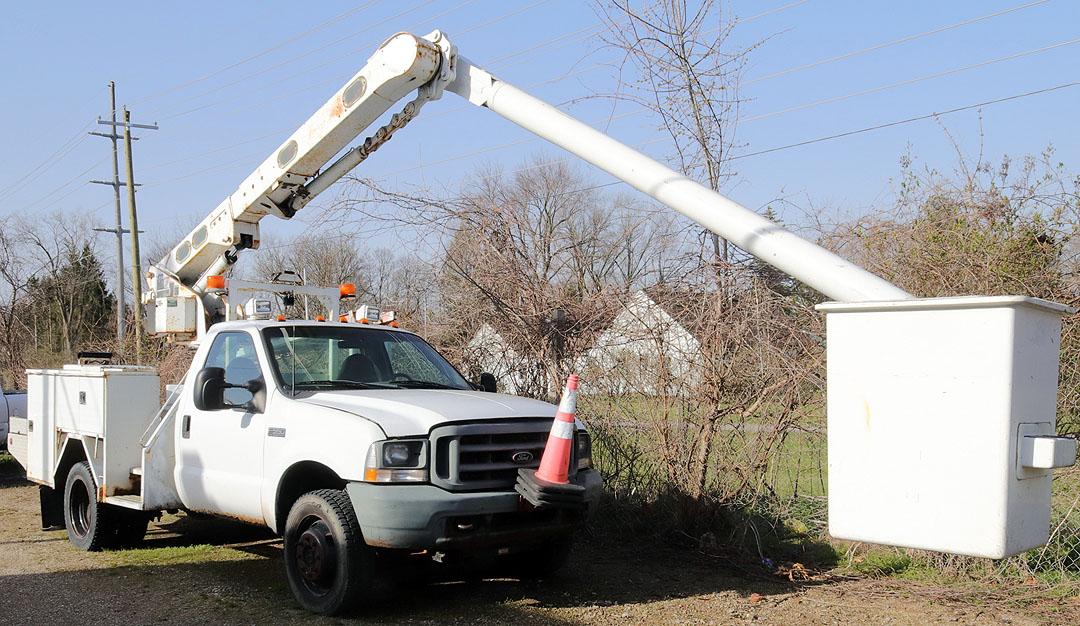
(52,507)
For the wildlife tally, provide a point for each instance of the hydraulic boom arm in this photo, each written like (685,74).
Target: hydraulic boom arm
(289,178)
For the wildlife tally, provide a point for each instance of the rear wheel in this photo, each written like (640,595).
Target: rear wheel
(88,522)
(328,566)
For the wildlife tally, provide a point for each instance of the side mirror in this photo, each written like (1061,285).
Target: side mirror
(488,383)
(258,395)
(210,389)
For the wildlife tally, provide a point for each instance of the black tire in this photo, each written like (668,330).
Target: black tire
(328,566)
(543,561)
(88,522)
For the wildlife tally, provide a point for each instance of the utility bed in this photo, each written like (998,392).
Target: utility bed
(105,408)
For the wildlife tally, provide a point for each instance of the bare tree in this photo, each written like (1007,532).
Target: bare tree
(990,229)
(539,252)
(716,385)
(14,272)
(680,63)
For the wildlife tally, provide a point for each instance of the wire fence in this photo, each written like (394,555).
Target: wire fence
(1060,557)
(801,477)
(791,503)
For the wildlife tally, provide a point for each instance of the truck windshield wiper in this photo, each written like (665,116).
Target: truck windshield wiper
(424,384)
(350,384)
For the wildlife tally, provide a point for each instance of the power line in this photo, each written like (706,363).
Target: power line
(307,70)
(277,133)
(65,148)
(579,34)
(830,137)
(868,129)
(894,42)
(500,18)
(306,88)
(762,116)
(529,139)
(63,186)
(79,137)
(54,158)
(492,64)
(339,17)
(197,155)
(912,81)
(775,113)
(834,136)
(908,120)
(779,9)
(277,46)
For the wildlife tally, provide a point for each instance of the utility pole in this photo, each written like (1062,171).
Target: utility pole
(118,230)
(133,221)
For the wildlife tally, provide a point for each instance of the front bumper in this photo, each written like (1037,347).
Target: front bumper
(426,517)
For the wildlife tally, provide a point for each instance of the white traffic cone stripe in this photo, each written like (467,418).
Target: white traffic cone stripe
(569,402)
(562,430)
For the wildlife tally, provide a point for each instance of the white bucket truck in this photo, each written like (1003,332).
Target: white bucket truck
(349,439)
(355,439)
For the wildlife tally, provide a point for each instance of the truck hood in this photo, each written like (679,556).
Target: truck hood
(411,412)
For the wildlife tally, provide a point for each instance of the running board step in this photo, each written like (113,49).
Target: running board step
(128,502)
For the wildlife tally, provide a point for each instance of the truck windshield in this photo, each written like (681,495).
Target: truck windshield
(335,357)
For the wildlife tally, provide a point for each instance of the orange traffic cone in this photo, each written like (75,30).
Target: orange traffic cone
(555,463)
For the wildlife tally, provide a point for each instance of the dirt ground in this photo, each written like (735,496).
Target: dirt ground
(196,571)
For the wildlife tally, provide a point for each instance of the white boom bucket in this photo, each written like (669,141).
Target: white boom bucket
(941,419)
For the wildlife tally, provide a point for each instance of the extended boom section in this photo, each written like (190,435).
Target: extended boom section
(831,275)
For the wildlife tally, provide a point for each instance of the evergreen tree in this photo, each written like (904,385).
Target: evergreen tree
(71,304)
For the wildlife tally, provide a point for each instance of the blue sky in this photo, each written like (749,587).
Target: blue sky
(228,81)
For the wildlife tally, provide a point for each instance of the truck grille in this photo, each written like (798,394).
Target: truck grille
(481,456)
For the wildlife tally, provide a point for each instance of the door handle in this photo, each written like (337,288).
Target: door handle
(185,428)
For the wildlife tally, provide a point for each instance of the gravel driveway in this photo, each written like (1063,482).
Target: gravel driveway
(195,571)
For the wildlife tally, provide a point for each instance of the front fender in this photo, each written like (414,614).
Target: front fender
(298,432)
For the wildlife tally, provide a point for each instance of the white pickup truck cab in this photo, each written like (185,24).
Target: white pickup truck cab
(356,442)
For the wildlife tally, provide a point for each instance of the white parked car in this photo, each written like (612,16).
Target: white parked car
(13,404)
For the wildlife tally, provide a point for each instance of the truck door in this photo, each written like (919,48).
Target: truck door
(220,452)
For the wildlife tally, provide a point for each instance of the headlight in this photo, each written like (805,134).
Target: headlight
(397,461)
(402,453)
(584,450)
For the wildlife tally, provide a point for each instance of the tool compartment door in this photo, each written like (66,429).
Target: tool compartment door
(41,431)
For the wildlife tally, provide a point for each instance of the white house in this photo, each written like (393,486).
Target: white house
(645,349)
(490,351)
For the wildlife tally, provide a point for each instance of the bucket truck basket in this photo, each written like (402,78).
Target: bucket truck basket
(941,422)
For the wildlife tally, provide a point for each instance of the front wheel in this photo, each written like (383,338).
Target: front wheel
(328,566)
